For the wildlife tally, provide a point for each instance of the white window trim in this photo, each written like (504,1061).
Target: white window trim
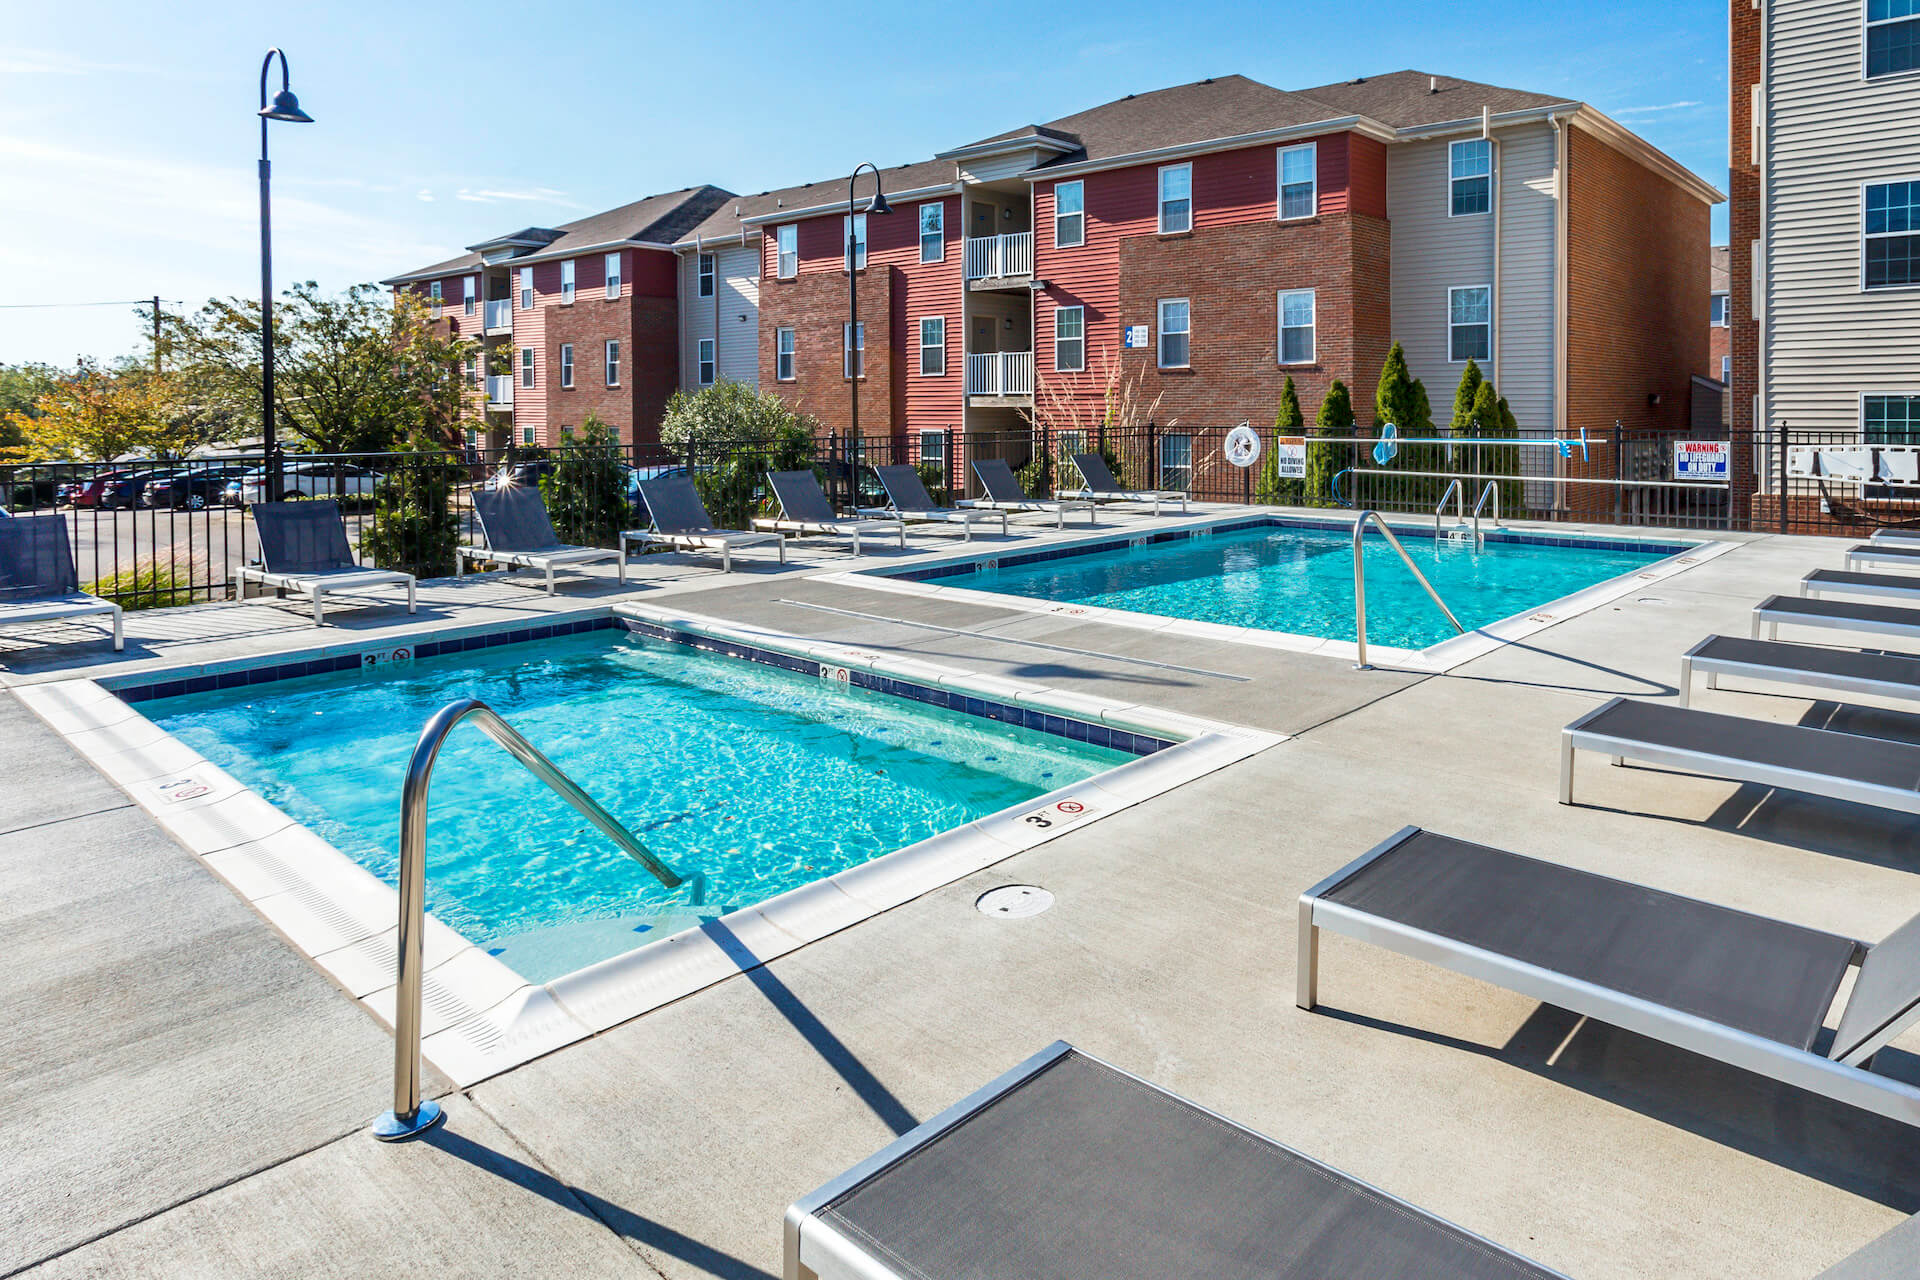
(940,207)
(527,367)
(471,301)
(1280,184)
(1487,362)
(434,300)
(566,365)
(1860,416)
(527,296)
(939,455)
(779,255)
(706,275)
(1160,333)
(567,277)
(1160,203)
(1488,175)
(853,337)
(610,362)
(792,353)
(1058,243)
(1867,24)
(853,258)
(1082,340)
(1865,236)
(1280,328)
(1726,308)
(706,362)
(614,282)
(526,437)
(925,347)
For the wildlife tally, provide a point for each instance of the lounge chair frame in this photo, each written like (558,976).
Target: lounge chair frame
(1888,551)
(1891,620)
(929,514)
(1055,507)
(557,555)
(1783,670)
(1841,1080)
(62,598)
(788,522)
(689,537)
(346,577)
(1087,492)
(1871,586)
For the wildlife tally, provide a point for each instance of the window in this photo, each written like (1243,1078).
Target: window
(473,371)
(1069,214)
(1471,166)
(858,233)
(1176,462)
(706,275)
(1893,235)
(526,288)
(526,366)
(566,283)
(783,355)
(526,435)
(1726,369)
(933,346)
(613,275)
(933,449)
(787,242)
(1299,181)
(1470,323)
(1176,198)
(1891,419)
(1296,327)
(1069,339)
(933,232)
(853,339)
(433,292)
(706,362)
(613,364)
(1893,37)
(473,295)
(1176,329)
(1718,315)
(566,364)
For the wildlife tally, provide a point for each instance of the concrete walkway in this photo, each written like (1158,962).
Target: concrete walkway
(670,1145)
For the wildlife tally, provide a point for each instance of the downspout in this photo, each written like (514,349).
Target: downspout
(1560,273)
(1499,294)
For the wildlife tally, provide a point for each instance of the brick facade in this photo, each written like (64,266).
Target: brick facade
(1743,207)
(814,305)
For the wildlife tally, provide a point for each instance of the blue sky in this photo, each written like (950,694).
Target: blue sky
(127,146)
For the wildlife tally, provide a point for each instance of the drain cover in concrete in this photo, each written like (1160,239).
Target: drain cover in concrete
(1014,901)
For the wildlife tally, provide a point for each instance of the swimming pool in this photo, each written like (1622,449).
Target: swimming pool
(1298,578)
(748,779)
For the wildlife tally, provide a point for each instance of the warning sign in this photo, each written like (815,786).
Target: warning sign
(1290,457)
(1701,459)
(1062,813)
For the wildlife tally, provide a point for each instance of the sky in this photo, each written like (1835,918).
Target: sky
(128,146)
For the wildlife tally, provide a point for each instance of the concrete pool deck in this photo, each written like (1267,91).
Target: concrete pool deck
(157,1125)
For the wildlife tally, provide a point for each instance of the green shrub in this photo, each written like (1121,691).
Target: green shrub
(1401,399)
(415,527)
(734,486)
(586,492)
(1335,419)
(726,415)
(1287,422)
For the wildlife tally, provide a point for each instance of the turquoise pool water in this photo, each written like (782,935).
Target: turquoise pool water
(1300,580)
(754,779)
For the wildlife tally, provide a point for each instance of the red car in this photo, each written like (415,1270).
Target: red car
(89,492)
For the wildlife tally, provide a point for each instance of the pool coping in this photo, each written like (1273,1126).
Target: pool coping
(1435,659)
(479,1016)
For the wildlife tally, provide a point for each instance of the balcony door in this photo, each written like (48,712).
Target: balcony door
(983,221)
(986,335)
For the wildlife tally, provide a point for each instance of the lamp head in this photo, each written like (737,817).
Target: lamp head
(879,203)
(286,107)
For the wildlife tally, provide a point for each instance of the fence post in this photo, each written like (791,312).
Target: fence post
(1618,463)
(954,439)
(1780,479)
(1153,456)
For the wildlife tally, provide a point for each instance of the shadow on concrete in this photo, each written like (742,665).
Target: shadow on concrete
(1641,686)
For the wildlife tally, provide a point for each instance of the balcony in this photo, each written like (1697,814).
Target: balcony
(500,316)
(1000,262)
(500,391)
(1005,376)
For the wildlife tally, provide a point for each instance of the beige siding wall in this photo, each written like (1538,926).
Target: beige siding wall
(1827,132)
(696,321)
(1524,331)
(1431,254)
(736,294)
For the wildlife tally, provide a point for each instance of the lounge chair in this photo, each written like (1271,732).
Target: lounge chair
(805,508)
(1896,553)
(1066,1166)
(908,499)
(1888,675)
(1743,989)
(38,579)
(1819,762)
(1896,536)
(1837,615)
(1097,484)
(303,549)
(1005,494)
(680,520)
(1822,583)
(519,534)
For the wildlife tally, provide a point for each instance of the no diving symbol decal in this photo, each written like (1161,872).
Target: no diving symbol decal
(1061,813)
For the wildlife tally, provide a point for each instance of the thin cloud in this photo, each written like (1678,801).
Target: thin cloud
(494,195)
(1655,110)
(44,62)
(427,196)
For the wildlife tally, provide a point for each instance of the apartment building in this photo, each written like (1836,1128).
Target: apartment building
(1719,359)
(1825,255)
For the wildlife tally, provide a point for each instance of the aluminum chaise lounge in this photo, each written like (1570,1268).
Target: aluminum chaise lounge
(1097,484)
(1819,762)
(1895,536)
(38,579)
(1888,675)
(805,508)
(1823,583)
(908,499)
(680,520)
(1894,553)
(303,549)
(1743,989)
(1835,615)
(1068,1167)
(520,534)
(1005,494)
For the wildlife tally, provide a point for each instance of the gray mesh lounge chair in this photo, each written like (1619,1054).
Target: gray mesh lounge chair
(680,519)
(1822,583)
(1097,484)
(1892,553)
(1005,494)
(1835,615)
(805,508)
(1742,989)
(1844,670)
(908,499)
(1818,762)
(38,580)
(520,534)
(303,549)
(1895,537)
(1068,1167)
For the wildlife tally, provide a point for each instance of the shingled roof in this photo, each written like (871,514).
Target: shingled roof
(1407,99)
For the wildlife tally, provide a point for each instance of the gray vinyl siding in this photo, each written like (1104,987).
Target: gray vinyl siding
(696,321)
(1431,254)
(1829,131)
(736,294)
(1525,336)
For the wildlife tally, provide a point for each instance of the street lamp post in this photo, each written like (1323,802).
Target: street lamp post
(878,205)
(283,107)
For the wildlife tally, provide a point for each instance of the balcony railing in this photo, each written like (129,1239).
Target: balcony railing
(998,257)
(1000,373)
(500,314)
(499,391)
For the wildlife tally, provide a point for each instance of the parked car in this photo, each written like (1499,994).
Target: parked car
(303,480)
(195,488)
(515,474)
(89,492)
(27,488)
(127,493)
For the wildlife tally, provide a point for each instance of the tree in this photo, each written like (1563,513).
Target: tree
(1470,380)
(1334,420)
(1492,419)
(1287,422)
(415,527)
(729,414)
(586,492)
(97,414)
(1401,399)
(21,386)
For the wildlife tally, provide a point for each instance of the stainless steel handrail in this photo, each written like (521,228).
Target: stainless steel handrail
(1491,491)
(410,1115)
(1360,582)
(1459,496)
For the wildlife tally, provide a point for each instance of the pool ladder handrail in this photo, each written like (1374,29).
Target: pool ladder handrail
(1458,493)
(1360,582)
(410,1115)
(1491,491)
